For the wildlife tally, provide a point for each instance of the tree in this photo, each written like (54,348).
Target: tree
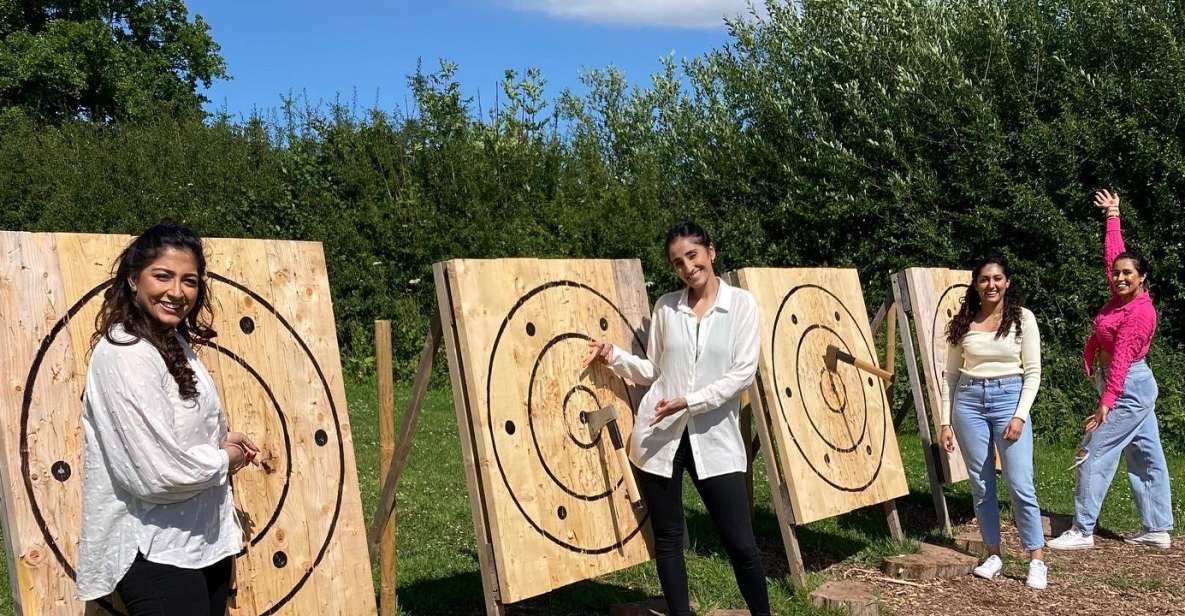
(104,60)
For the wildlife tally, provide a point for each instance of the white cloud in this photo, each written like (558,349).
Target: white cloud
(694,14)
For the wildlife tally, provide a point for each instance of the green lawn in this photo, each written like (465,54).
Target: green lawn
(438,569)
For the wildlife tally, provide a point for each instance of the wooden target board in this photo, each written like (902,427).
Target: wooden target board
(936,294)
(832,429)
(548,499)
(276,365)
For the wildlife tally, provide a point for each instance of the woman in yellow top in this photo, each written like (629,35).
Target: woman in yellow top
(993,370)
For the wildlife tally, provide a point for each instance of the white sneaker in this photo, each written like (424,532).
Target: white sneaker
(1037,575)
(990,568)
(1159,539)
(1072,539)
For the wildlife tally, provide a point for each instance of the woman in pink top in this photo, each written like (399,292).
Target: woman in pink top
(1125,420)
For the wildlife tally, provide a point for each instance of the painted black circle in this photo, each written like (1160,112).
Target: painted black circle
(562,512)
(789,393)
(782,408)
(530,329)
(827,458)
(509,427)
(567,397)
(26,404)
(581,437)
(247,324)
(843,346)
(837,316)
(794,319)
(827,380)
(279,559)
(60,470)
(870,381)
(604,324)
(868,449)
(320,437)
(937,340)
(489,416)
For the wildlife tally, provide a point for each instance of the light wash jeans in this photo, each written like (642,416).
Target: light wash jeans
(982,411)
(1130,429)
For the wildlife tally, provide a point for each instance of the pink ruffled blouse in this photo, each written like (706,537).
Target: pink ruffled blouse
(1124,330)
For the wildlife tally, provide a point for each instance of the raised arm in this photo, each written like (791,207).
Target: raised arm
(1113,236)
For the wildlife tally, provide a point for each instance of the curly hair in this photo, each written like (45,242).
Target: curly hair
(960,324)
(120,306)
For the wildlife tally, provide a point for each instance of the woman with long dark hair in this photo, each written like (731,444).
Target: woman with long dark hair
(158,517)
(1124,423)
(703,348)
(993,371)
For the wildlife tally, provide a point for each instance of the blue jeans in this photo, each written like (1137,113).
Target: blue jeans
(1130,429)
(983,408)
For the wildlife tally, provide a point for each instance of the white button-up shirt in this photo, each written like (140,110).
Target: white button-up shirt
(707,361)
(154,477)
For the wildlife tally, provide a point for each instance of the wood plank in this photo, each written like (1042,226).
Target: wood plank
(555,505)
(44,276)
(935,295)
(832,428)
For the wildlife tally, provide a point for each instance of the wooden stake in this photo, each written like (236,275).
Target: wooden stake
(419,389)
(778,491)
(386,383)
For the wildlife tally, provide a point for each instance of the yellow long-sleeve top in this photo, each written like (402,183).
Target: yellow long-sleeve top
(981,355)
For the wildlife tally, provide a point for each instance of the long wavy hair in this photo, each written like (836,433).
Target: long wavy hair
(120,306)
(960,324)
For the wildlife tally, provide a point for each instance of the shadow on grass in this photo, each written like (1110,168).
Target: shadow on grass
(461,594)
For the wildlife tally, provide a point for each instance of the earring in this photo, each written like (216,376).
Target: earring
(133,286)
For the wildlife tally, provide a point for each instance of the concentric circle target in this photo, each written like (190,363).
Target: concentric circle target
(949,304)
(284,515)
(837,417)
(539,399)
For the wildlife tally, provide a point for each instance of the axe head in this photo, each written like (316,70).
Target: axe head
(599,418)
(833,356)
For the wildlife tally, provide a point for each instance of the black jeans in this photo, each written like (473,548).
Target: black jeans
(153,589)
(727,501)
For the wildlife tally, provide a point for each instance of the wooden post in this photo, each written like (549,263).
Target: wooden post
(778,491)
(407,428)
(386,382)
(901,293)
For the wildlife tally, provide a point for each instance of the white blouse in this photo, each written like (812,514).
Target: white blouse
(709,362)
(155,480)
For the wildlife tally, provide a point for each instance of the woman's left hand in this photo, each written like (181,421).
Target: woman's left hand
(1097,418)
(1014,428)
(666,408)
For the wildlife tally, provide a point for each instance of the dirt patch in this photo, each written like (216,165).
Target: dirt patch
(1112,578)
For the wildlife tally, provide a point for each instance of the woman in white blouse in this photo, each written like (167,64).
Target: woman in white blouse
(158,517)
(993,370)
(703,347)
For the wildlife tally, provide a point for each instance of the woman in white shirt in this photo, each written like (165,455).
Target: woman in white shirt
(703,347)
(158,517)
(993,366)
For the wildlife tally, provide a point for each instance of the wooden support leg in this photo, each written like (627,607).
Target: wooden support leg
(779,494)
(893,519)
(386,383)
(407,428)
(915,382)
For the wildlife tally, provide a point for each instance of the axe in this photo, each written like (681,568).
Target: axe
(834,355)
(607,418)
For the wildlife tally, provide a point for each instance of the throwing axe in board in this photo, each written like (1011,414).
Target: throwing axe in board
(833,356)
(606,418)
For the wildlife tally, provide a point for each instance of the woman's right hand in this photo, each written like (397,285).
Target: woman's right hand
(598,352)
(239,450)
(1108,202)
(946,438)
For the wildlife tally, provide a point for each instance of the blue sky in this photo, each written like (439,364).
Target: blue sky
(364,49)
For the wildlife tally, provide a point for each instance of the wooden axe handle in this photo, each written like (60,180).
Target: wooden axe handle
(866,366)
(627,473)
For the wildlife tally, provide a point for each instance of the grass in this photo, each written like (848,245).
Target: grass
(438,569)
